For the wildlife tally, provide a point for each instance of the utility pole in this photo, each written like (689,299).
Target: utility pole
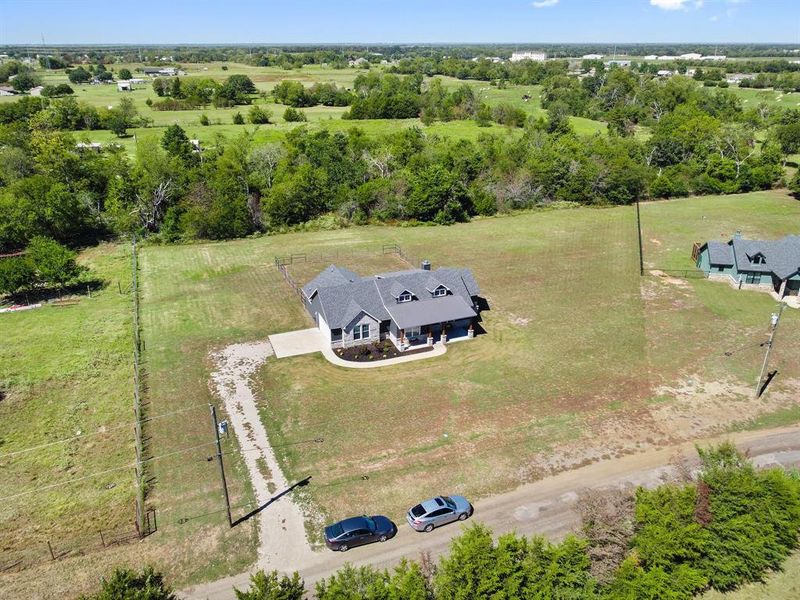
(775,320)
(639,231)
(219,460)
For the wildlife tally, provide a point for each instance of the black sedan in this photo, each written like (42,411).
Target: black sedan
(358,531)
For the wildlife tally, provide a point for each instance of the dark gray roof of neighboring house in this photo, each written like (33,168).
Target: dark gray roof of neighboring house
(781,257)
(440,310)
(720,253)
(342,295)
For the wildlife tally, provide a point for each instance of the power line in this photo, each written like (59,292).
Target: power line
(104,472)
(99,432)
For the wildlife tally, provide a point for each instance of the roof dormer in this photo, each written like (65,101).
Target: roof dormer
(757,259)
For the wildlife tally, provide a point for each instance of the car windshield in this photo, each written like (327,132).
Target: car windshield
(418,511)
(449,502)
(336,530)
(370,524)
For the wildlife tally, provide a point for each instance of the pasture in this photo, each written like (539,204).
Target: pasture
(265,78)
(582,360)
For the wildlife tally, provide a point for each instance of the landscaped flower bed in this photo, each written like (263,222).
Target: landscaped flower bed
(376,351)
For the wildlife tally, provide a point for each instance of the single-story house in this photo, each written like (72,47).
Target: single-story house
(407,307)
(771,265)
(124,85)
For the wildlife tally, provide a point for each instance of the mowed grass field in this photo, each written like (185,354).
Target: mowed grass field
(575,343)
(784,585)
(66,374)
(265,78)
(573,334)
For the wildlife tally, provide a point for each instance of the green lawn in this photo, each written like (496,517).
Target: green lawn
(265,78)
(752,97)
(66,371)
(576,344)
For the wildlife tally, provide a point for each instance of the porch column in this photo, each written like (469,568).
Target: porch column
(782,293)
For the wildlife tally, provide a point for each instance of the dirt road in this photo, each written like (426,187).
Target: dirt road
(544,507)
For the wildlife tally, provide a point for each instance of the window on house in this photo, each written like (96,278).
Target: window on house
(413,331)
(361,332)
(753,278)
(440,292)
(404,297)
(336,335)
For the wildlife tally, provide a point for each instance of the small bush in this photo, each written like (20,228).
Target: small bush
(259,115)
(293,115)
(238,119)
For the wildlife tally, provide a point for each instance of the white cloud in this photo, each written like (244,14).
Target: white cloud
(670,4)
(545,3)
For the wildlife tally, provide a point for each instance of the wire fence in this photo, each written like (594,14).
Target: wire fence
(56,548)
(282,263)
(137,400)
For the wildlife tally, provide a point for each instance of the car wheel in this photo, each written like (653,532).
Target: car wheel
(343,548)
(382,538)
(463,517)
(428,528)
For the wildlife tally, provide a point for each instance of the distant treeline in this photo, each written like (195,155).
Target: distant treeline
(292,55)
(702,142)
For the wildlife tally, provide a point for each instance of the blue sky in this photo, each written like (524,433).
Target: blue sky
(312,21)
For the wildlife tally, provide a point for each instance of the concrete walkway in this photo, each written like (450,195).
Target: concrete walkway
(307,341)
(295,343)
(328,353)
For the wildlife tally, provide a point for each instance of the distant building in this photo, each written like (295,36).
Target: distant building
(736,78)
(36,91)
(90,146)
(714,58)
(618,63)
(7,90)
(534,56)
(124,86)
(592,57)
(664,73)
(691,56)
(161,71)
(358,62)
(667,57)
(651,57)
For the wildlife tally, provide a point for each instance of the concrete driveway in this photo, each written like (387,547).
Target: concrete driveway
(294,343)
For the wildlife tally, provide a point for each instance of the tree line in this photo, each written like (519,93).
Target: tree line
(725,527)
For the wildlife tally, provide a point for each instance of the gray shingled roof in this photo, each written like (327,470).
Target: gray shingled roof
(781,257)
(343,295)
(333,275)
(720,253)
(440,310)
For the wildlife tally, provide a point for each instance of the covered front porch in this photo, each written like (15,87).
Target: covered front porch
(443,320)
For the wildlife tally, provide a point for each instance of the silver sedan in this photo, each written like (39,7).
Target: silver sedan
(438,511)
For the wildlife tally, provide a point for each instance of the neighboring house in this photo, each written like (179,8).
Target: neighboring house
(404,306)
(770,265)
(124,85)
